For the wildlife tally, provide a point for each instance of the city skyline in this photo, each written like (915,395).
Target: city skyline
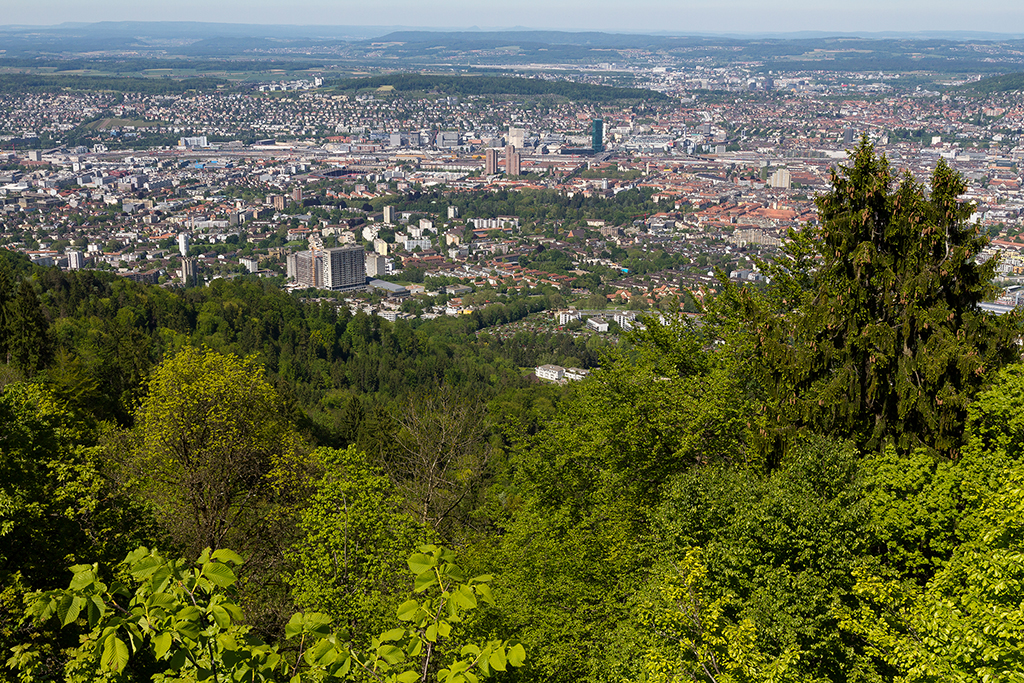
(644,16)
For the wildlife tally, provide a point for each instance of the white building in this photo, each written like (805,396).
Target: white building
(553,373)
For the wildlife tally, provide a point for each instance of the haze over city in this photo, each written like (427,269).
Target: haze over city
(727,16)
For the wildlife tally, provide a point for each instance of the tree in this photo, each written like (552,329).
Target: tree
(871,330)
(350,559)
(209,446)
(27,333)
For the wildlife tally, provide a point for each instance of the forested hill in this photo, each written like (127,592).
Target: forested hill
(995,84)
(823,481)
(500,85)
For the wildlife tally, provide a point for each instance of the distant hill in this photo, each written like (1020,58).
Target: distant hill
(994,84)
(500,85)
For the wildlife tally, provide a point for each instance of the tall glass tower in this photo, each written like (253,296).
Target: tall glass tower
(597,136)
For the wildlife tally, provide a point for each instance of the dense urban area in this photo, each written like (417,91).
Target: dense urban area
(703,353)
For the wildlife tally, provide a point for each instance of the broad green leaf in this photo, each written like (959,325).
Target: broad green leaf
(407,677)
(219,574)
(424,581)
(497,659)
(516,655)
(115,655)
(484,591)
(161,644)
(71,606)
(419,563)
(431,634)
(407,610)
(220,616)
(390,654)
(225,555)
(315,622)
(393,634)
(294,626)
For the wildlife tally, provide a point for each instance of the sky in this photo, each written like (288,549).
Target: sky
(680,16)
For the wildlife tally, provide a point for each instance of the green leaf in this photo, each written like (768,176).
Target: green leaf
(516,655)
(432,633)
(407,677)
(424,581)
(390,654)
(219,574)
(178,660)
(393,634)
(220,616)
(465,597)
(484,591)
(161,644)
(115,654)
(294,625)
(225,555)
(317,623)
(497,659)
(71,608)
(407,610)
(419,563)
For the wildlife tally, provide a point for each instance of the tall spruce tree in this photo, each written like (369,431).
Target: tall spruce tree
(872,330)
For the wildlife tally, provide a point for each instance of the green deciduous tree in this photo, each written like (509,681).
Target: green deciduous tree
(350,559)
(211,450)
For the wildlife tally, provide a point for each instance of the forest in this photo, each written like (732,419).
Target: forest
(816,480)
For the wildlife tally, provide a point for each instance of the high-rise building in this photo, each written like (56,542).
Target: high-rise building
(280,202)
(453,212)
(516,137)
(75,260)
(376,265)
(309,269)
(183,243)
(781,178)
(597,136)
(491,161)
(345,268)
(511,160)
(389,214)
(297,195)
(848,134)
(189,272)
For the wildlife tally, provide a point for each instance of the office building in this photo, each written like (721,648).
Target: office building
(491,161)
(511,161)
(345,269)
(597,136)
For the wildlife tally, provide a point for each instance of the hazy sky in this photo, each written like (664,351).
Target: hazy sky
(725,16)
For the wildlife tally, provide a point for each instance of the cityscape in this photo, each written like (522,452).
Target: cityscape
(660,344)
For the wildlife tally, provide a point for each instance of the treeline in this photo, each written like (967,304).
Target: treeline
(500,85)
(33,83)
(820,481)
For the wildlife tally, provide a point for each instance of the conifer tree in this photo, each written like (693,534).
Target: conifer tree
(872,330)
